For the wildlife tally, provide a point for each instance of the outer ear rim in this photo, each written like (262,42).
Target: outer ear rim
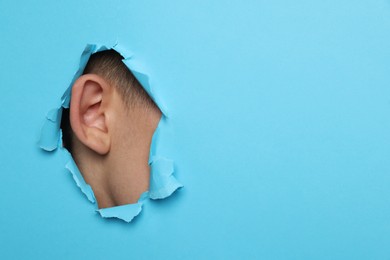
(89,137)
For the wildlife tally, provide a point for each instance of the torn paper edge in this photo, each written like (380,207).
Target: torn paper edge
(162,181)
(125,212)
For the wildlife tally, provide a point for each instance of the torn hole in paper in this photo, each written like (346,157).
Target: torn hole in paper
(162,182)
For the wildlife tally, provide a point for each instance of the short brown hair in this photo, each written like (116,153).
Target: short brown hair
(109,65)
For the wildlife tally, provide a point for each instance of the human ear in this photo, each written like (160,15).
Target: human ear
(88,112)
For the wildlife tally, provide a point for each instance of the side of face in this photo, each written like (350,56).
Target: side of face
(112,140)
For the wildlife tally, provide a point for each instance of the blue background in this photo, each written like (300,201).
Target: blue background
(279,128)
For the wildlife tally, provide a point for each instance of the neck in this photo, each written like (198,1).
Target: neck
(122,175)
(128,171)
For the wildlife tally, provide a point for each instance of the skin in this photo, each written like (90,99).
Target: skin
(111,142)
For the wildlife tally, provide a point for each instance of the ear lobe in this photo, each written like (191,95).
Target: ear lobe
(88,112)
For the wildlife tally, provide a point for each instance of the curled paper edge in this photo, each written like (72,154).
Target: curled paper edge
(164,183)
(78,178)
(124,212)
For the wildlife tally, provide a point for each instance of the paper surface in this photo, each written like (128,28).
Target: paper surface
(50,133)
(78,178)
(162,181)
(124,212)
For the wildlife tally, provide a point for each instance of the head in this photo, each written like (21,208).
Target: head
(108,129)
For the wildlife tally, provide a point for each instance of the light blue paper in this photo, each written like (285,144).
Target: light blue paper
(123,51)
(125,212)
(78,178)
(279,127)
(162,181)
(50,134)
